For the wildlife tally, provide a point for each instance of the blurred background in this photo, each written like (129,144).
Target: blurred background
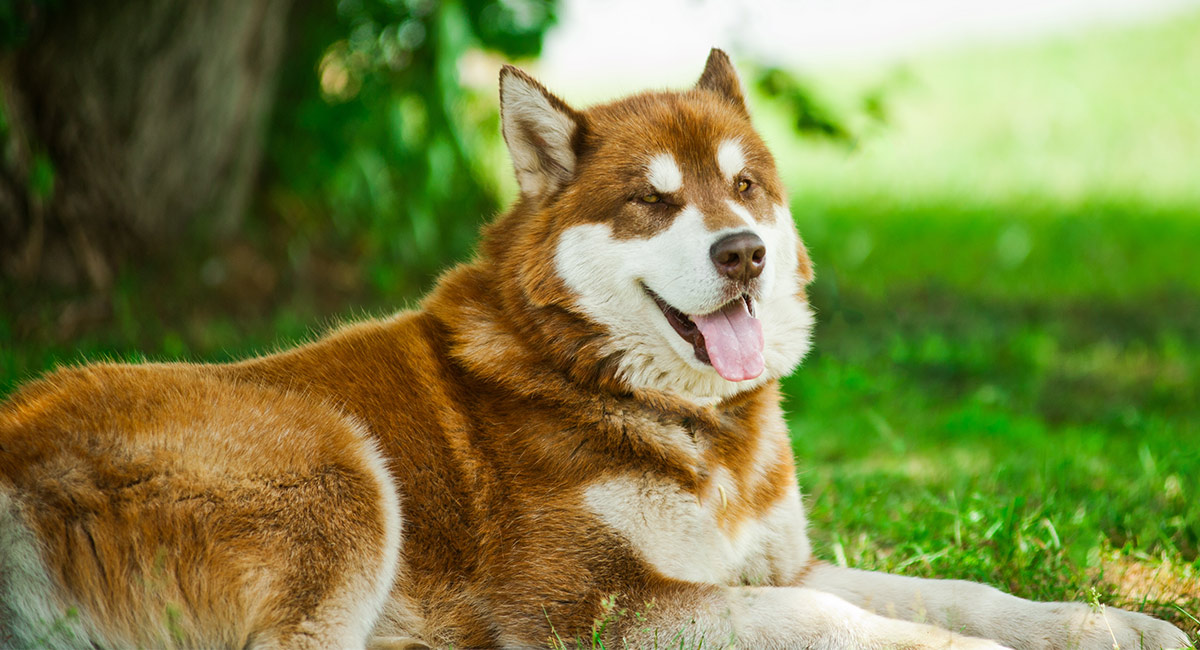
(1002,200)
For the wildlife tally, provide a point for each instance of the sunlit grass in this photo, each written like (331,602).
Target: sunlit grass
(1007,365)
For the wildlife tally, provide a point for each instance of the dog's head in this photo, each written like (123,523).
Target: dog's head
(661,219)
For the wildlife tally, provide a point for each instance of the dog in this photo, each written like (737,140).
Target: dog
(577,435)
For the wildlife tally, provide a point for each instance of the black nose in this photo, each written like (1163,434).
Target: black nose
(740,256)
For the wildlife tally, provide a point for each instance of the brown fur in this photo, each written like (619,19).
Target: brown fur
(148,490)
(239,496)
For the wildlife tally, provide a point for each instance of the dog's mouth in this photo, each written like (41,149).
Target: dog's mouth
(729,339)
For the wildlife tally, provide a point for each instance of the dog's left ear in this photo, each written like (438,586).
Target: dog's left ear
(720,77)
(539,129)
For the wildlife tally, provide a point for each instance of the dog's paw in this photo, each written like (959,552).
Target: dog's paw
(1134,631)
(1088,628)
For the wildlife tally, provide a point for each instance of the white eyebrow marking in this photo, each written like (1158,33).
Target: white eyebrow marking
(741,212)
(664,173)
(730,158)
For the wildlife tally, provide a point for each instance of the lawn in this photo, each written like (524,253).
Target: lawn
(1006,374)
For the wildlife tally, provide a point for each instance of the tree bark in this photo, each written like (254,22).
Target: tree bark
(128,124)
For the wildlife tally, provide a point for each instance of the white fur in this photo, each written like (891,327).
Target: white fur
(791,617)
(787,327)
(29,610)
(374,588)
(681,534)
(522,103)
(678,534)
(664,173)
(607,275)
(980,610)
(783,618)
(741,211)
(731,158)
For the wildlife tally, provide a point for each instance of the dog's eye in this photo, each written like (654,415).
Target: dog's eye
(743,186)
(650,198)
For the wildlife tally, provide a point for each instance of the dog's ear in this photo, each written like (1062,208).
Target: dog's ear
(720,77)
(539,129)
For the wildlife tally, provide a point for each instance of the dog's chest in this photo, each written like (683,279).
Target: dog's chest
(714,534)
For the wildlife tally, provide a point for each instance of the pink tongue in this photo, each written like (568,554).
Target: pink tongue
(734,341)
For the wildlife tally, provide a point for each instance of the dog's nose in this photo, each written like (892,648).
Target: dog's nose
(740,256)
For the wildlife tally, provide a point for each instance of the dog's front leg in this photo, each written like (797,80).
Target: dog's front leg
(980,610)
(781,618)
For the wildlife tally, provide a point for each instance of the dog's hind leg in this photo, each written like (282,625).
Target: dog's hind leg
(343,620)
(30,614)
(189,512)
(345,614)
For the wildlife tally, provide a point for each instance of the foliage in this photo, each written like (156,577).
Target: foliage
(810,115)
(375,156)
(18,18)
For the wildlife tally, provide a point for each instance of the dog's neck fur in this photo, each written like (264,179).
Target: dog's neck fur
(497,334)
(545,356)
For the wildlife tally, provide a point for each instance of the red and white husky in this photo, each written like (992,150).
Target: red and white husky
(583,420)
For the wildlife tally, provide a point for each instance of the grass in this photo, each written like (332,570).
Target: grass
(1007,364)
(1006,375)
(1006,444)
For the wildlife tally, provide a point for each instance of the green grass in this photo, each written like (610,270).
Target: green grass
(1006,375)
(1007,443)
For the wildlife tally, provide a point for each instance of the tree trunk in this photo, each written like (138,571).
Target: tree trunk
(124,125)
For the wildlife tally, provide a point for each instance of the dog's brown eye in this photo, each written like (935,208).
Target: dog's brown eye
(650,198)
(742,186)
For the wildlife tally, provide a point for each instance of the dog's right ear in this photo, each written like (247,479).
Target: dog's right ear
(722,78)
(539,129)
